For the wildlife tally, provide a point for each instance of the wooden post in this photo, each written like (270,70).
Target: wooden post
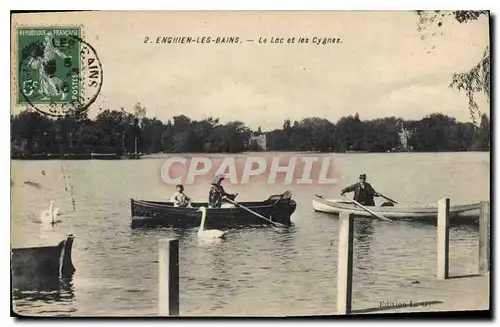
(345,263)
(443,238)
(169,277)
(484,243)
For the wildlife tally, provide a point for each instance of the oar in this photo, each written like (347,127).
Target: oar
(253,212)
(379,216)
(327,200)
(389,199)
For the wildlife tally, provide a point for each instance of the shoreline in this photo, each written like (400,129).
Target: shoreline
(132,156)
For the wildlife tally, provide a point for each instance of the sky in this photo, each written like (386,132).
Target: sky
(383,66)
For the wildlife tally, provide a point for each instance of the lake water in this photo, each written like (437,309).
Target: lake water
(255,271)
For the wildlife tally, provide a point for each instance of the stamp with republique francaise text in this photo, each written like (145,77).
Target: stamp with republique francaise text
(58,71)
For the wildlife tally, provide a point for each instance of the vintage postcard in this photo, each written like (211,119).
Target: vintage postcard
(247,163)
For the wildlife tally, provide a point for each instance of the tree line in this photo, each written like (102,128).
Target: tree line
(121,132)
(433,133)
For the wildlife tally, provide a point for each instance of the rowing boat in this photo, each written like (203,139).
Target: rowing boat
(335,206)
(44,262)
(278,208)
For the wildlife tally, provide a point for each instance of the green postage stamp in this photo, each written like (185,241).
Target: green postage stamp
(57,70)
(49,65)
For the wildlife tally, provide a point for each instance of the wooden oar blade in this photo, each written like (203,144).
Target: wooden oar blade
(329,200)
(254,213)
(379,216)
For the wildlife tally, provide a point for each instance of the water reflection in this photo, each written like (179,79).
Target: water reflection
(181,234)
(363,238)
(283,236)
(46,289)
(363,231)
(284,240)
(432,221)
(204,242)
(278,248)
(221,288)
(269,271)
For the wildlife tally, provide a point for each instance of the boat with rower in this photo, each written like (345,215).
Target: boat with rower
(276,209)
(336,206)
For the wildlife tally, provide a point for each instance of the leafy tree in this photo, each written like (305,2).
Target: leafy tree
(482,142)
(31,128)
(477,79)
(381,134)
(350,134)
(115,131)
(167,138)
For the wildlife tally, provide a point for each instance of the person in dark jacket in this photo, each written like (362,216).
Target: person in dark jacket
(217,193)
(363,191)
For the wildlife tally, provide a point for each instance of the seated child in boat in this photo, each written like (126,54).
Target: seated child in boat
(179,198)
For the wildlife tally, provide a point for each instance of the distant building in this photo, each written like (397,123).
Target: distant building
(404,135)
(259,141)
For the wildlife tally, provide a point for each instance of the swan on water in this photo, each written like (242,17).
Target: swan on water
(209,233)
(48,216)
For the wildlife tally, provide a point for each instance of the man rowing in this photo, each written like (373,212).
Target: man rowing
(217,193)
(363,191)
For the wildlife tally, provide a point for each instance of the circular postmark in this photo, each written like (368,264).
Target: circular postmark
(59,73)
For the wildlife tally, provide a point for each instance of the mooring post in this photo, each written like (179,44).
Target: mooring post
(443,238)
(168,277)
(345,263)
(484,242)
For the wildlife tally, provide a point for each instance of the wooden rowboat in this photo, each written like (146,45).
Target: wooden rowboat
(43,262)
(337,206)
(278,208)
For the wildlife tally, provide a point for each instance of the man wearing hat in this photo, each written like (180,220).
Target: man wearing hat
(363,191)
(217,192)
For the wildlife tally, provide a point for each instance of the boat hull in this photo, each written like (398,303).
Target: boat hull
(42,262)
(336,207)
(153,213)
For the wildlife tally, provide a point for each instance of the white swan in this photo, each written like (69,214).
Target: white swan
(209,233)
(48,216)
